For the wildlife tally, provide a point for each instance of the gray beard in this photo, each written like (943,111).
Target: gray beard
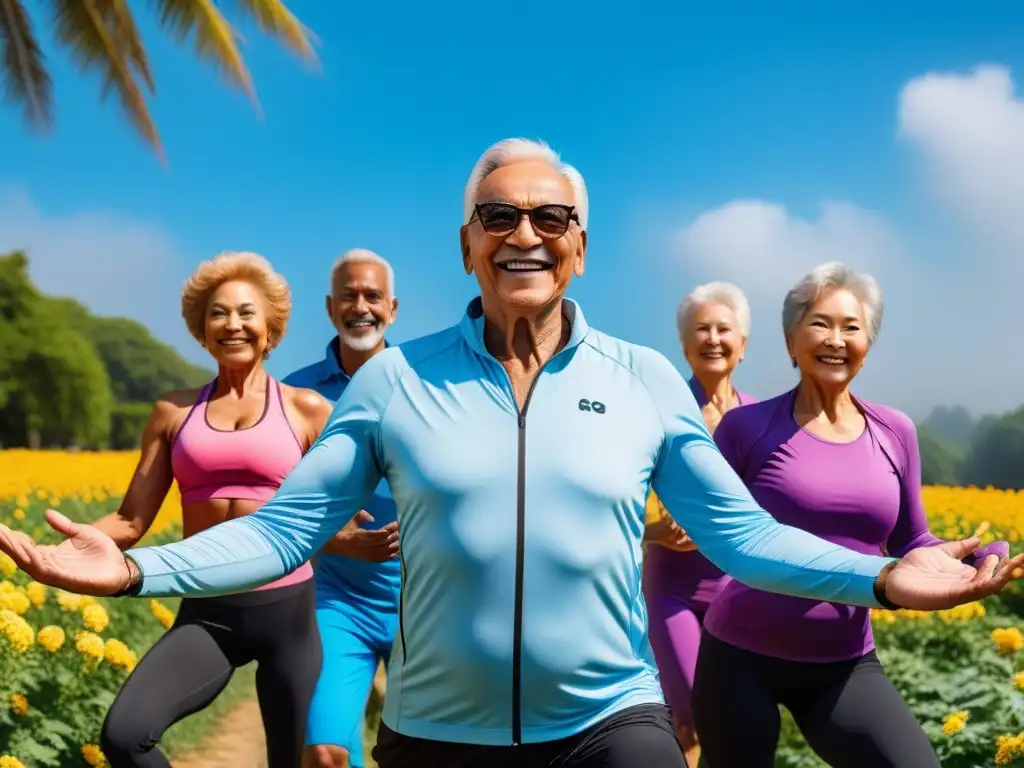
(363,343)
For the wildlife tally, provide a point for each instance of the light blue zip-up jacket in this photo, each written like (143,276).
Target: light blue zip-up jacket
(521,617)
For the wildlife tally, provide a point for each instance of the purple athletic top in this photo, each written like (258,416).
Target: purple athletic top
(688,576)
(865,495)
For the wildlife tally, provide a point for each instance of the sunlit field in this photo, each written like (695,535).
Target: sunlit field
(63,657)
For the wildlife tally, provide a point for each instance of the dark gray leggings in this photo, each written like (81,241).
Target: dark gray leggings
(848,711)
(191,664)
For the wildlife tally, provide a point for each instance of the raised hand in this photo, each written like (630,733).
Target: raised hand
(934,578)
(87,562)
(353,540)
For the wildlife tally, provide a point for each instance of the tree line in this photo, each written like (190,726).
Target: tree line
(72,379)
(957,449)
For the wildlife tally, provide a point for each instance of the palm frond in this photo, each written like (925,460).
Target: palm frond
(90,29)
(274,18)
(129,40)
(26,80)
(215,38)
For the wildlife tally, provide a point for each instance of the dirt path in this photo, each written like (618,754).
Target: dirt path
(238,739)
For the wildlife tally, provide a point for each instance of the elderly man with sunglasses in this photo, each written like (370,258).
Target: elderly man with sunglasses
(519,446)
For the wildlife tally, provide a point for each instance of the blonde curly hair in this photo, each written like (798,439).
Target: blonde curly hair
(236,265)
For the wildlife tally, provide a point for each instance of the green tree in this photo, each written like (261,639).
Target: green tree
(141,368)
(55,389)
(940,461)
(952,424)
(102,35)
(996,455)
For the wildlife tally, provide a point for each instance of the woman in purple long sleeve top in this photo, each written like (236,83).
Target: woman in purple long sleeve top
(849,471)
(679,582)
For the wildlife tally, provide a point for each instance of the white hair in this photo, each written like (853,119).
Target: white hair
(834,275)
(719,293)
(363,256)
(510,151)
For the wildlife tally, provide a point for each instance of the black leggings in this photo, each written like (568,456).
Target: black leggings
(193,662)
(638,737)
(848,711)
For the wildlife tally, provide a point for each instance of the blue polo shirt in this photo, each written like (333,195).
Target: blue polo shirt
(375,585)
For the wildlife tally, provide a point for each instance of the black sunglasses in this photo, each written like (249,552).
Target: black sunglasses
(549,221)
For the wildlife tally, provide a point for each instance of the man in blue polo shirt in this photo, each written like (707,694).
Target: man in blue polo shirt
(358,571)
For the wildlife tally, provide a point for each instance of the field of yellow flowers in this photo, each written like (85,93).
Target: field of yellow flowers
(63,657)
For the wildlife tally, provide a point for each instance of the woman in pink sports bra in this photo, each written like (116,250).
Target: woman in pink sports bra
(228,445)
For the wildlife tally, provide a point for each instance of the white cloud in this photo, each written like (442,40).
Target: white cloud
(950,330)
(111,264)
(969,132)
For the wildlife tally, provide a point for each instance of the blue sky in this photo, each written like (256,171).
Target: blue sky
(671,112)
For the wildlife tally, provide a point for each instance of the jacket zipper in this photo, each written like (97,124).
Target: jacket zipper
(401,607)
(517,627)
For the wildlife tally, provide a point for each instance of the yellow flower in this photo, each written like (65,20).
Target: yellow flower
(95,617)
(89,645)
(17,631)
(19,514)
(119,655)
(7,566)
(15,601)
(1018,680)
(93,756)
(69,601)
(6,587)
(18,705)
(6,761)
(954,723)
(1008,639)
(1009,748)
(51,638)
(36,592)
(162,613)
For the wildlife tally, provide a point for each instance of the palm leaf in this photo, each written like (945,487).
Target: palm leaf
(274,18)
(94,31)
(215,38)
(130,41)
(26,80)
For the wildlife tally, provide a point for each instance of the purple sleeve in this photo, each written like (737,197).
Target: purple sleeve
(728,437)
(911,530)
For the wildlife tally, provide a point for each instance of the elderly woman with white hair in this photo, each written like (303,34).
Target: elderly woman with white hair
(821,459)
(679,582)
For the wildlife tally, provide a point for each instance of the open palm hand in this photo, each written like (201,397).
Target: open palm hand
(87,562)
(934,578)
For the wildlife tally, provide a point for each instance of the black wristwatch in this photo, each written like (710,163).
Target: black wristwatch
(879,587)
(134,585)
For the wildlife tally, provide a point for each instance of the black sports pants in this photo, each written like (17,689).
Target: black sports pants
(848,711)
(638,737)
(190,665)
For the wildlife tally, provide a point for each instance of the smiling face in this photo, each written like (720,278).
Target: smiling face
(830,342)
(361,306)
(712,343)
(236,324)
(528,269)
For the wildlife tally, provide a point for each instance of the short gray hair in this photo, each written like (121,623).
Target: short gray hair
(510,151)
(719,293)
(363,256)
(834,275)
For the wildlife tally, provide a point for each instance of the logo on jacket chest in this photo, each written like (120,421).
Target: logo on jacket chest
(591,406)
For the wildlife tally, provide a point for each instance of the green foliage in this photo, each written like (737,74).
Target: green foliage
(996,455)
(940,461)
(940,667)
(127,423)
(71,379)
(951,424)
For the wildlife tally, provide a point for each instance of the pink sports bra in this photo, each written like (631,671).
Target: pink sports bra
(248,463)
